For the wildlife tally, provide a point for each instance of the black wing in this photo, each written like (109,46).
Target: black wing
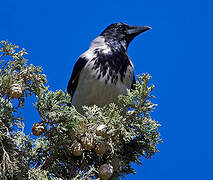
(73,82)
(133,82)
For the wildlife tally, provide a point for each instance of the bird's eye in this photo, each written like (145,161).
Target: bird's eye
(121,28)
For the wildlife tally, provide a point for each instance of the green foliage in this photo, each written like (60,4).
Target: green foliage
(117,134)
(15,146)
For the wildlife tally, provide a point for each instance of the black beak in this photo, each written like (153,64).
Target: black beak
(135,30)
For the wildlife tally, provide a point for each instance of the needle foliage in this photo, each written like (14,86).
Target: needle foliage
(69,145)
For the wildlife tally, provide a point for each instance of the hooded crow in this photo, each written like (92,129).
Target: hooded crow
(104,71)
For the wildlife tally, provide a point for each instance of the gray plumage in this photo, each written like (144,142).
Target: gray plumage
(104,71)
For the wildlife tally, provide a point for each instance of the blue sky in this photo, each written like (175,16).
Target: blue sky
(176,52)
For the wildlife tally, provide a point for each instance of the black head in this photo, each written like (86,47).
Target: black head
(123,33)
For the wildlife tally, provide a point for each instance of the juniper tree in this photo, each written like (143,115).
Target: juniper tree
(101,143)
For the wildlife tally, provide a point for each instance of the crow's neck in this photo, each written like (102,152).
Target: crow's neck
(109,44)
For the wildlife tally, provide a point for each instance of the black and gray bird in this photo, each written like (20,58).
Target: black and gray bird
(104,71)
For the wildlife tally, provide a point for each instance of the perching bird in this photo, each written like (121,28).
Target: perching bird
(104,71)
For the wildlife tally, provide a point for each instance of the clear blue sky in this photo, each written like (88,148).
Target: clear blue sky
(177,52)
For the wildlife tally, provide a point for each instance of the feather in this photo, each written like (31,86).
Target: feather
(73,82)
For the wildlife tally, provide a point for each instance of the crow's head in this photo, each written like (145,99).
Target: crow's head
(123,33)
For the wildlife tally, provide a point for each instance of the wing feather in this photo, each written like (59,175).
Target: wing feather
(73,82)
